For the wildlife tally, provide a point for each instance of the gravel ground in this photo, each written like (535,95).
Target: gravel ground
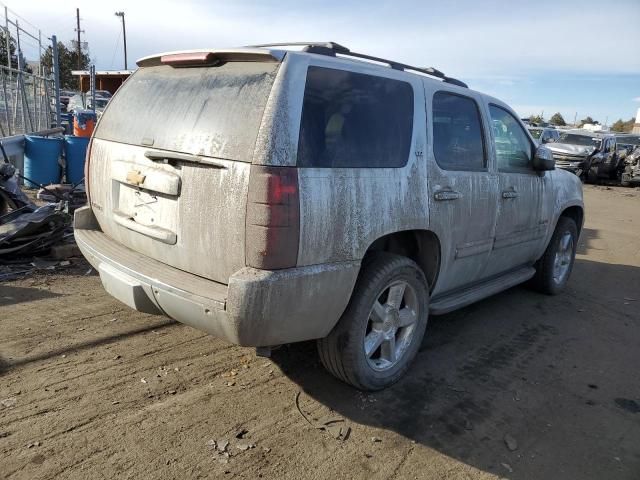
(519,386)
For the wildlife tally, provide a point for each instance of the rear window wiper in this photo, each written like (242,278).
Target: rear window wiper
(182,157)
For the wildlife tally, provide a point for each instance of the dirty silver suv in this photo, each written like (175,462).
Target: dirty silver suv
(268,195)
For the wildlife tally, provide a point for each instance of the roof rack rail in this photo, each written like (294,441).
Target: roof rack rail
(332,48)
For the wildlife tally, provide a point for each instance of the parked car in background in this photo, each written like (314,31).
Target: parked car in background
(82,101)
(544,134)
(631,173)
(605,161)
(572,151)
(103,93)
(589,155)
(626,143)
(99,106)
(303,195)
(65,96)
(76,102)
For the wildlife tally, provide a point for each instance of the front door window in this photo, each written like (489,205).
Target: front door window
(513,148)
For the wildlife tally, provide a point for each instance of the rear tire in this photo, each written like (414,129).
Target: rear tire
(554,268)
(378,336)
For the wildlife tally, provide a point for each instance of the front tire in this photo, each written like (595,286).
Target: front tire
(554,268)
(378,336)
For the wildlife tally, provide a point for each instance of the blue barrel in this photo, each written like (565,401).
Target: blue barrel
(41,160)
(75,152)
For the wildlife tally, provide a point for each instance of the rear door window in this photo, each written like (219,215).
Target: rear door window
(354,120)
(209,111)
(457,133)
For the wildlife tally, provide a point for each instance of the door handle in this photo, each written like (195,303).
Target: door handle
(444,195)
(509,194)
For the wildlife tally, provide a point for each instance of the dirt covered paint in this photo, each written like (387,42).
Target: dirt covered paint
(207,216)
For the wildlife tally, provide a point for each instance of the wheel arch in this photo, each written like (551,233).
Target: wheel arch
(575,213)
(421,246)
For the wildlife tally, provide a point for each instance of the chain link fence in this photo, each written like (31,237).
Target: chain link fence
(25,102)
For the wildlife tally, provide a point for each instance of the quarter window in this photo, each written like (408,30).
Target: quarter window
(354,120)
(457,133)
(513,148)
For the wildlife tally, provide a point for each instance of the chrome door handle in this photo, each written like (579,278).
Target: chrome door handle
(509,194)
(444,195)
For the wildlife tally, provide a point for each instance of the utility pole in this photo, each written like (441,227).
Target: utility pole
(18,48)
(79,47)
(7,35)
(124,37)
(56,79)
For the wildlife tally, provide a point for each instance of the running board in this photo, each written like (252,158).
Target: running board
(462,298)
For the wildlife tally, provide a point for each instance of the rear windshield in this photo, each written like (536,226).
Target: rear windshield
(208,111)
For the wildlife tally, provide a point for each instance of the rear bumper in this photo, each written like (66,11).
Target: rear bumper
(256,308)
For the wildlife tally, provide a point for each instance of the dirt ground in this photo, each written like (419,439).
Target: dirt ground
(519,386)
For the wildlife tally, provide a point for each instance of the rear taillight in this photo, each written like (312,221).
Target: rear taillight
(86,170)
(273,218)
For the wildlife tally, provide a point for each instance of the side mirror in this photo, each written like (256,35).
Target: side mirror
(543,159)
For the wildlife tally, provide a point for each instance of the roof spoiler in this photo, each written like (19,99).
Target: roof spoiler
(206,57)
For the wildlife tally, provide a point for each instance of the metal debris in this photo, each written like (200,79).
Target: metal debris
(27,229)
(30,231)
(74,195)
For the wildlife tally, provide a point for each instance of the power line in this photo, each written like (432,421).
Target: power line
(115,48)
(21,17)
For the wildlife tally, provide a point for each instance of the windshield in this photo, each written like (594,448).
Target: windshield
(535,132)
(101,102)
(208,111)
(628,140)
(583,140)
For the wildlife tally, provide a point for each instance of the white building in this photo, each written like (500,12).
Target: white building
(594,127)
(636,126)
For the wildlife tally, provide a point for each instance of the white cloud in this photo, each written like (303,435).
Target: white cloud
(636,99)
(489,38)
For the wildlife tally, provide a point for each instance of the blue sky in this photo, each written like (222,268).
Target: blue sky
(569,56)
